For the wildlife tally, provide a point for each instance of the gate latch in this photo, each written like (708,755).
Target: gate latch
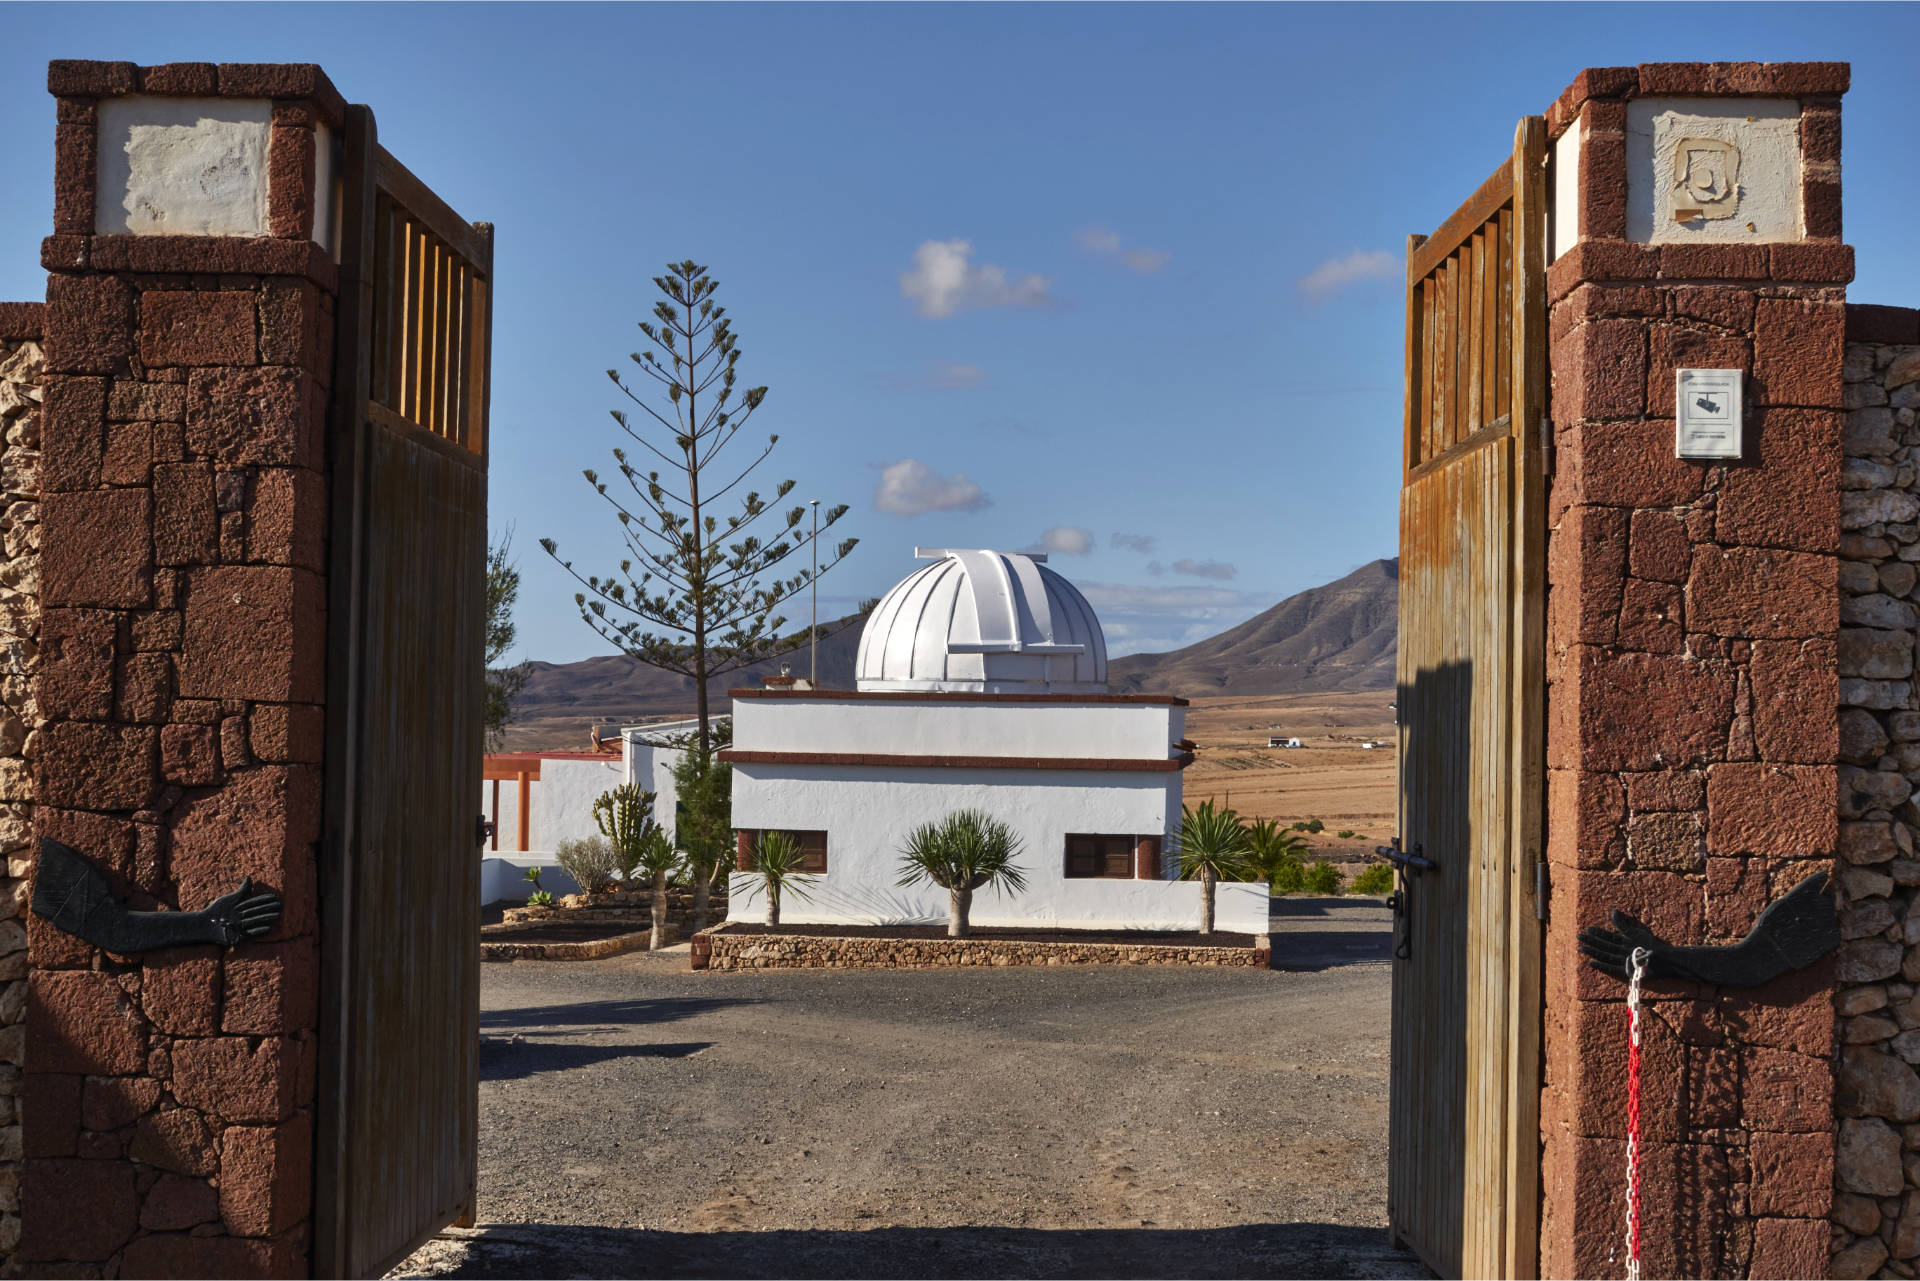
(1412,864)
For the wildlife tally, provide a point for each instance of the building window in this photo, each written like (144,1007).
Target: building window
(813,848)
(1103,856)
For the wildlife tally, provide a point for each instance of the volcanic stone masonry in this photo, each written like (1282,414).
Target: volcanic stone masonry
(20,364)
(1876,1208)
(1691,724)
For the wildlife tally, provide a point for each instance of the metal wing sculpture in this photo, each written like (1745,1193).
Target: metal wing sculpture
(73,895)
(1792,933)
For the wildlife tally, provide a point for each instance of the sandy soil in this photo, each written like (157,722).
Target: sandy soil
(1331,778)
(641,1120)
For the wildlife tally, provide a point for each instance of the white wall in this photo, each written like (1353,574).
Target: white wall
(1130,731)
(503,878)
(560,800)
(868,812)
(652,768)
(183,166)
(1767,132)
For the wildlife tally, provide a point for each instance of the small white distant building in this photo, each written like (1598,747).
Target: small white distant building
(981,682)
(1281,741)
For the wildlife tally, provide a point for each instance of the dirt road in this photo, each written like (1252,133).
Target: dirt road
(1012,1122)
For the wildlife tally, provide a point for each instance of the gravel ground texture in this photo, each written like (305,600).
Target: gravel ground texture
(638,1119)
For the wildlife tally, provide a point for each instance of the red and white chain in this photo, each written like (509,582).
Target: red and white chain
(1636,970)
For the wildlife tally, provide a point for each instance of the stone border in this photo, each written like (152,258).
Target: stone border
(591,950)
(716,949)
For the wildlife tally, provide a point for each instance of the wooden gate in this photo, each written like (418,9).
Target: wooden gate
(1463,1184)
(398,1120)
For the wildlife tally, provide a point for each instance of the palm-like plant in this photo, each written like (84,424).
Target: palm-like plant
(657,861)
(777,863)
(1277,853)
(961,853)
(1213,848)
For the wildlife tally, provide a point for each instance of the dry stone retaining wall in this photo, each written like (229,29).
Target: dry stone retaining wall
(20,365)
(1876,1211)
(722,950)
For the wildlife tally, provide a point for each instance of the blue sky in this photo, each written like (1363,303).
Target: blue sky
(1125,273)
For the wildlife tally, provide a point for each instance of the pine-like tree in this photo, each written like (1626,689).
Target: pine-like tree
(503,684)
(692,594)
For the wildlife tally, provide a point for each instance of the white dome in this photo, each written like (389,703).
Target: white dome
(983,622)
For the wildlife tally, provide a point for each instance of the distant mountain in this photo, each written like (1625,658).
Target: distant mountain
(561,700)
(1337,637)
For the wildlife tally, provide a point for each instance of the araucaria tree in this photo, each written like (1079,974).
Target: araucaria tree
(695,593)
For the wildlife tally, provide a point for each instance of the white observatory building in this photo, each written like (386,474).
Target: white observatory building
(981,683)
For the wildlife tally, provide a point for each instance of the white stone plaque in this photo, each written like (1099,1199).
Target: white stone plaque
(1707,413)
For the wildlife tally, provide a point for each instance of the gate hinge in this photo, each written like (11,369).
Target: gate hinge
(1546,446)
(1539,889)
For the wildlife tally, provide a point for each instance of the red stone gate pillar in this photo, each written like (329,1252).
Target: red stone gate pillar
(168,1118)
(1692,623)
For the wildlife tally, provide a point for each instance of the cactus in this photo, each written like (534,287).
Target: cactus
(625,817)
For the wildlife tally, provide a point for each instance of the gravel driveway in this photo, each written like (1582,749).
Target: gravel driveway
(638,1119)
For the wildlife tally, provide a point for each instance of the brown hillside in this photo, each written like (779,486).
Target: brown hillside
(562,700)
(1337,637)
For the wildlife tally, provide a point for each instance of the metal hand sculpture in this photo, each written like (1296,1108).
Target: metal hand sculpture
(1791,934)
(74,895)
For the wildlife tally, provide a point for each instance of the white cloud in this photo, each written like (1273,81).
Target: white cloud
(1146,261)
(1064,540)
(1097,240)
(1338,273)
(1217,569)
(1140,620)
(944,280)
(1142,543)
(1101,240)
(956,376)
(910,487)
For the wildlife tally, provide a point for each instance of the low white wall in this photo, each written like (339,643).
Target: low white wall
(505,879)
(1126,731)
(867,814)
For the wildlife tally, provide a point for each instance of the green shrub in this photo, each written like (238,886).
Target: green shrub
(1301,826)
(1315,825)
(1287,875)
(1346,834)
(540,898)
(590,861)
(1322,878)
(1375,878)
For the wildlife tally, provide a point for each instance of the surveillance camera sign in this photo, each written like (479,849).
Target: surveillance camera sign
(1707,413)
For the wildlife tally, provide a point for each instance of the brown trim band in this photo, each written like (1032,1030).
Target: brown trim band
(1108,765)
(955,696)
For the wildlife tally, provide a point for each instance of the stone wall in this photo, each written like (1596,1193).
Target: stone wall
(721,949)
(1876,1210)
(20,365)
(1691,726)
(169,1095)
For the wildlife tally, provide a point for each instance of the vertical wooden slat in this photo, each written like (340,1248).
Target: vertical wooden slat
(1425,388)
(1410,445)
(1525,230)
(1504,308)
(1442,356)
(1472,385)
(1493,330)
(480,354)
